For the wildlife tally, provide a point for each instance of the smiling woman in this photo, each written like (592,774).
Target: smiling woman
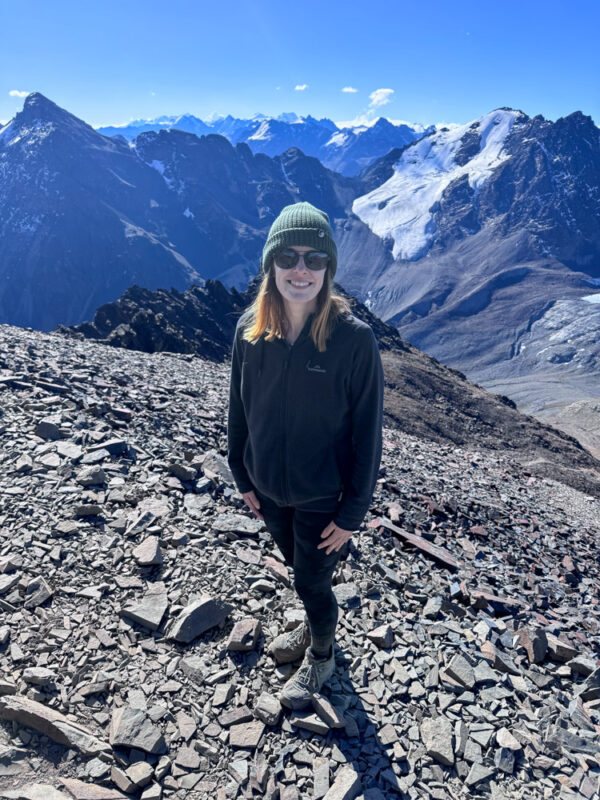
(304,426)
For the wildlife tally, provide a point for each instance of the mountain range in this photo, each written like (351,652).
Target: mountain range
(479,242)
(346,150)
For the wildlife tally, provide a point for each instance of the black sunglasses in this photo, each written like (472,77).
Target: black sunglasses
(288,258)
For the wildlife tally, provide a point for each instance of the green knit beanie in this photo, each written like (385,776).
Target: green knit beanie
(300,225)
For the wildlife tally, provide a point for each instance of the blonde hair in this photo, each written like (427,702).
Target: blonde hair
(266,314)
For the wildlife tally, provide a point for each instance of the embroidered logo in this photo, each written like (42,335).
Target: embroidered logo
(315,367)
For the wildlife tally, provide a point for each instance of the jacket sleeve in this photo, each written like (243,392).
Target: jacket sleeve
(237,428)
(367,420)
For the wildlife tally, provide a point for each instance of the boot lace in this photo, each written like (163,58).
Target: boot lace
(307,676)
(297,635)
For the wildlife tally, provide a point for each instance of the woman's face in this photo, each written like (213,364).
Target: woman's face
(300,284)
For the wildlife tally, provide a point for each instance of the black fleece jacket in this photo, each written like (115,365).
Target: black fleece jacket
(305,426)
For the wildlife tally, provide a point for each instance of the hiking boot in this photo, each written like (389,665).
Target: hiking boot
(309,678)
(291,645)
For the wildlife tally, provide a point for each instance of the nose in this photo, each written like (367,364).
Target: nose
(301,266)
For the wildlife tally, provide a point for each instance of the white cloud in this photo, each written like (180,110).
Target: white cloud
(350,89)
(380,97)
(300,87)
(17,93)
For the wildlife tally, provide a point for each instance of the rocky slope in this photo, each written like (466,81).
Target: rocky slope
(138,595)
(423,397)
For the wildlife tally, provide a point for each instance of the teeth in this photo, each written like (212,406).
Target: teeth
(297,283)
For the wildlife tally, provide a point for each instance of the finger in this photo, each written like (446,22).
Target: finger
(329,529)
(253,508)
(326,541)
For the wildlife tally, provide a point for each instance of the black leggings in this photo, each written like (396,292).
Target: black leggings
(297,533)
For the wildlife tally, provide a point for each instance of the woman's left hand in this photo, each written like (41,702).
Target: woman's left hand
(334,538)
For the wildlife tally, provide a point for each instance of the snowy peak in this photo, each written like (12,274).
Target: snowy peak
(41,118)
(401,209)
(39,109)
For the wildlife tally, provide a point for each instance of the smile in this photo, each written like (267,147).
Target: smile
(300,284)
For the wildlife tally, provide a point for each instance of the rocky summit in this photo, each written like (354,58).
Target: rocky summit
(138,596)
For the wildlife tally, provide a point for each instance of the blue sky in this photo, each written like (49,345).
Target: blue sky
(424,62)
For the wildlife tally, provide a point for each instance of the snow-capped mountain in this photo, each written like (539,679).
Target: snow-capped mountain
(487,225)
(346,150)
(403,208)
(477,241)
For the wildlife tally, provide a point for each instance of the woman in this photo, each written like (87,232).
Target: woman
(304,426)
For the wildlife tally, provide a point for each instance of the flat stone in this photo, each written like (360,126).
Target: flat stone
(114,446)
(347,785)
(331,716)
(198,617)
(498,659)
(130,727)
(51,723)
(582,665)
(186,724)
(247,734)
(194,667)
(48,429)
(34,791)
(268,708)
(461,670)
(237,523)
(383,636)
(504,759)
(39,676)
(433,607)
(150,610)
(37,592)
(478,773)
(437,553)
(187,757)
(309,721)
(140,774)
(148,552)
(559,650)
(535,643)
(347,595)
(590,688)
(436,735)
(91,476)
(505,739)
(244,635)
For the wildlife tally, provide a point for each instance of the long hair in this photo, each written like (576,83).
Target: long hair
(266,314)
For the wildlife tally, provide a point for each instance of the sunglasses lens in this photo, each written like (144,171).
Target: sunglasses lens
(286,259)
(315,260)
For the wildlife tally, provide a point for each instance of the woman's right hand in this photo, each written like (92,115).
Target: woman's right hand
(253,503)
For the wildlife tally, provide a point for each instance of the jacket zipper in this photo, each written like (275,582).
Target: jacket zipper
(284,471)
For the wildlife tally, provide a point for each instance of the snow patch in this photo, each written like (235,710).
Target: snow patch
(188,213)
(592,298)
(338,140)
(262,133)
(158,166)
(400,208)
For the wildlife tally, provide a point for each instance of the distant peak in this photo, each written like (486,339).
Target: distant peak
(38,101)
(37,106)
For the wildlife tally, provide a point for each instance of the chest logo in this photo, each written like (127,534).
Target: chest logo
(314,367)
